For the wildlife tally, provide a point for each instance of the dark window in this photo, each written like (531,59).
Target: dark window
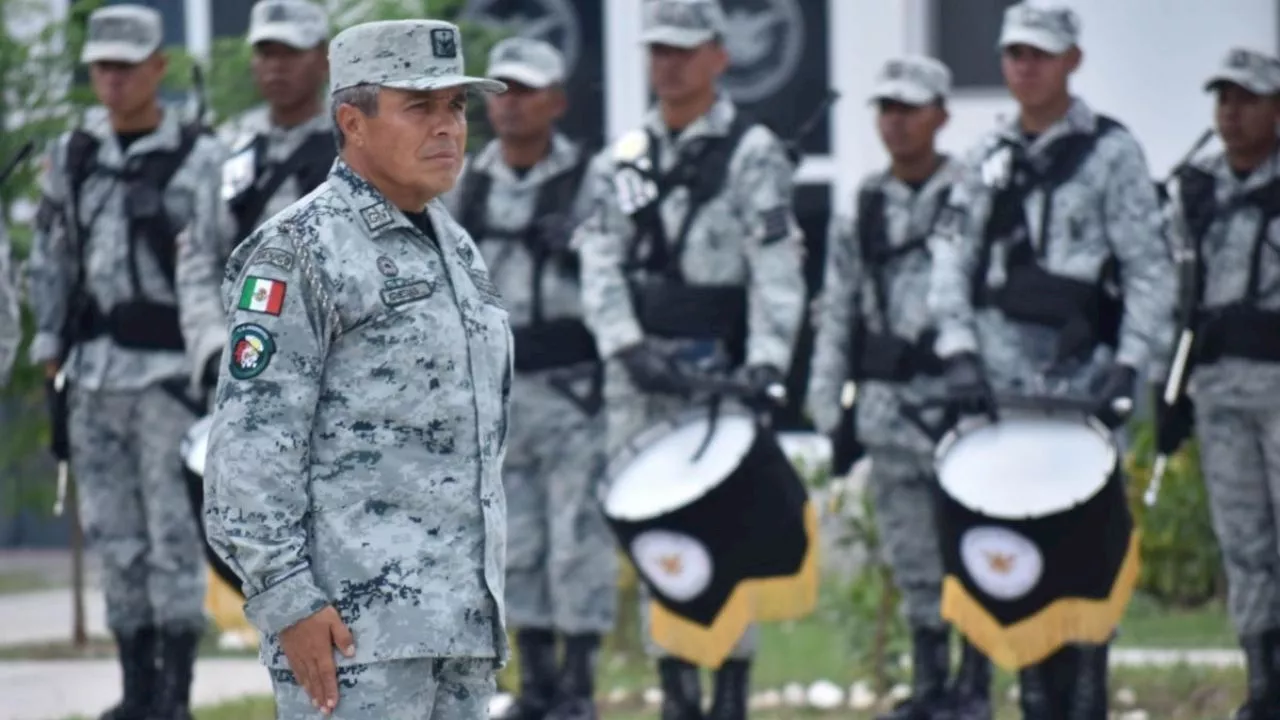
(231,18)
(964,36)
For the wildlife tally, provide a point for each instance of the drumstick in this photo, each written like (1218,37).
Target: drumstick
(59,382)
(1157,474)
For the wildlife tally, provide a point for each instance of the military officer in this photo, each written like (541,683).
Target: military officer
(1227,208)
(361,415)
(1051,275)
(876,280)
(115,192)
(722,236)
(10,320)
(281,150)
(519,198)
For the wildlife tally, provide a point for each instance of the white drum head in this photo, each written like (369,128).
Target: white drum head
(663,475)
(195,445)
(1026,466)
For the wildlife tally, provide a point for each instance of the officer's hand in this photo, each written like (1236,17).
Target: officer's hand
(309,644)
(51,369)
(1114,391)
(651,370)
(764,380)
(967,385)
(209,379)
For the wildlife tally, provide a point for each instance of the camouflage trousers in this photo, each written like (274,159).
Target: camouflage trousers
(629,414)
(562,565)
(1240,458)
(902,495)
(412,689)
(134,507)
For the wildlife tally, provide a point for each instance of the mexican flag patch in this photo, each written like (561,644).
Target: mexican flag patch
(262,295)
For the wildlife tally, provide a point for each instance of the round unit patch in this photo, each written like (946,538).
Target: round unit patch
(251,350)
(677,564)
(1004,563)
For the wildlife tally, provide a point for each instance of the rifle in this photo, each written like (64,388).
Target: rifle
(795,153)
(198,92)
(16,160)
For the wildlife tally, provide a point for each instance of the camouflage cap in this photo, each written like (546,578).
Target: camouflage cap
(402,54)
(1054,30)
(913,80)
(1251,70)
(530,62)
(297,23)
(682,23)
(122,33)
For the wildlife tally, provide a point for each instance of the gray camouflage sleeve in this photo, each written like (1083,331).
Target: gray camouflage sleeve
(1133,227)
(10,320)
(49,265)
(201,256)
(258,485)
(833,339)
(600,240)
(953,246)
(774,249)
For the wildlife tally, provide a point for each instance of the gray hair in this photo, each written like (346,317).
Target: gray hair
(362,97)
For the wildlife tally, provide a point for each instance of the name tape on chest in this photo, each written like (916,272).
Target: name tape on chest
(394,294)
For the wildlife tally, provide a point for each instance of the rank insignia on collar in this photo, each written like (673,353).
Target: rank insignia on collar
(377,216)
(251,349)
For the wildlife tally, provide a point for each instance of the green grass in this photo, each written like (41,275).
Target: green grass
(1146,624)
(21,581)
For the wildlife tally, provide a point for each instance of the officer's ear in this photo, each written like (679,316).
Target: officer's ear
(353,123)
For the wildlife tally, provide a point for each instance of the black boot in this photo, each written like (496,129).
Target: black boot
(681,690)
(537,675)
(137,656)
(971,690)
(1262,661)
(1035,697)
(929,666)
(1089,699)
(576,698)
(178,650)
(733,687)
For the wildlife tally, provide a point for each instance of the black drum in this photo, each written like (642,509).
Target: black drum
(194,449)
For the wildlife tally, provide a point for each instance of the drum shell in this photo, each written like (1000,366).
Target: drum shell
(752,525)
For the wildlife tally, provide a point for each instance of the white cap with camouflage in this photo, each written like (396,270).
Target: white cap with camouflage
(1054,30)
(402,54)
(527,61)
(912,80)
(297,23)
(122,33)
(1251,70)
(682,23)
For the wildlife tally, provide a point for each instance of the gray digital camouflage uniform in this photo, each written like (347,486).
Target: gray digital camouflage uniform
(901,455)
(726,246)
(10,320)
(561,561)
(1108,208)
(125,428)
(361,423)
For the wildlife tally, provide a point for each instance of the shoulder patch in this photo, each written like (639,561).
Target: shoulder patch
(282,259)
(251,349)
(775,224)
(262,295)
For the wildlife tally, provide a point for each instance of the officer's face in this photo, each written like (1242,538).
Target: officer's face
(124,87)
(681,74)
(415,141)
(1036,78)
(286,76)
(908,130)
(1245,121)
(523,112)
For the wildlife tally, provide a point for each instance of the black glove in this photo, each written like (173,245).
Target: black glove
(59,414)
(651,370)
(761,378)
(209,379)
(1174,424)
(1116,386)
(967,386)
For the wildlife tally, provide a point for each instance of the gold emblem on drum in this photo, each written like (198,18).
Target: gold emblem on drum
(1001,563)
(671,564)
(1004,563)
(677,564)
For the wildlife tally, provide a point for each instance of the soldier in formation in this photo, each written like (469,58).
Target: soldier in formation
(10,319)
(695,204)
(874,328)
(520,199)
(1055,204)
(361,415)
(1225,211)
(115,193)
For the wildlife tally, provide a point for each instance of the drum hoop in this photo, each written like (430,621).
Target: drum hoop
(664,427)
(1101,430)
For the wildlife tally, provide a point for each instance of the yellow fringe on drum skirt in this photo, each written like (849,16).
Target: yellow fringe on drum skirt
(789,597)
(226,607)
(1066,621)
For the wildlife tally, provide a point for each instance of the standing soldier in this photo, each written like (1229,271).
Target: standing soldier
(520,200)
(280,152)
(115,194)
(1227,206)
(697,201)
(875,328)
(361,417)
(10,319)
(1054,215)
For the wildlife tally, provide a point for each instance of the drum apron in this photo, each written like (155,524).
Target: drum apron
(719,527)
(1038,544)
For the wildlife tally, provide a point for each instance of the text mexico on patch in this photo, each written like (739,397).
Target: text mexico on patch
(262,295)
(251,350)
